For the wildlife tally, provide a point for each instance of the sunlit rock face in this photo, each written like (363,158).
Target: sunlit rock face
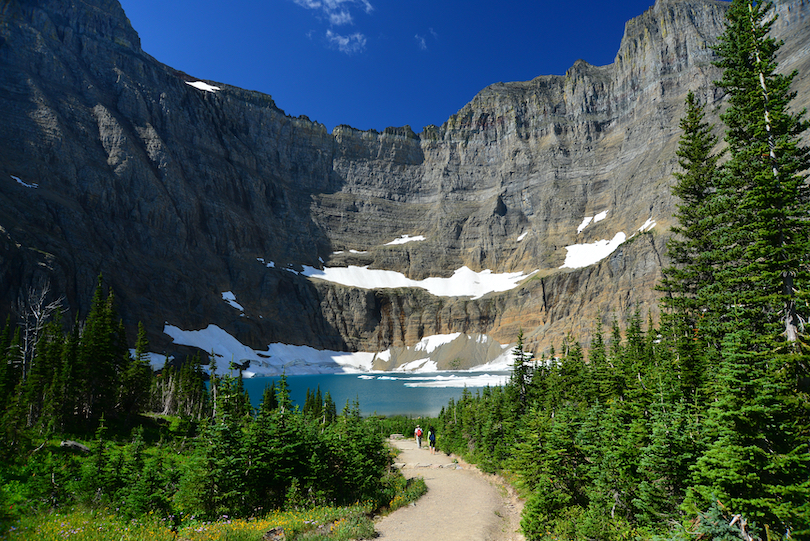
(178,190)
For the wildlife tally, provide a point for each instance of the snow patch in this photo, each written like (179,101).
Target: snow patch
(23,183)
(279,359)
(419,365)
(405,239)
(587,220)
(463,283)
(203,86)
(230,298)
(276,360)
(429,344)
(649,224)
(455,380)
(522,236)
(481,380)
(585,223)
(582,255)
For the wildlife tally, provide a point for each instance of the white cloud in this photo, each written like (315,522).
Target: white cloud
(337,12)
(353,43)
(339,18)
(420,41)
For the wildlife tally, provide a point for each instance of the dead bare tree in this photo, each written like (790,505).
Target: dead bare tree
(34,311)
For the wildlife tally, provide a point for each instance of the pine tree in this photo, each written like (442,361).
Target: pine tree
(759,461)
(597,384)
(695,187)
(6,369)
(269,402)
(688,324)
(136,377)
(102,354)
(285,404)
(765,234)
(521,372)
(329,409)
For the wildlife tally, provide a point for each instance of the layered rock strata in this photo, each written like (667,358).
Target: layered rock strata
(112,163)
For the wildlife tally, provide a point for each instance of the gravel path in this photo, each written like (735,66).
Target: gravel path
(461,503)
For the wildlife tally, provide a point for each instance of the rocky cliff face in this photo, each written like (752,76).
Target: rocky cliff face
(177,193)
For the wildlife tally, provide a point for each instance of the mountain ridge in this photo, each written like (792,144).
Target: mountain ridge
(174,192)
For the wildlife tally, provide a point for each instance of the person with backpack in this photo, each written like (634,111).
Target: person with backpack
(432,440)
(418,435)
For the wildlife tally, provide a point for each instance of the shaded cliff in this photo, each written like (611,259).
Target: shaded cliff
(177,193)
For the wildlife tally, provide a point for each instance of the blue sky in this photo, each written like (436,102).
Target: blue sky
(376,63)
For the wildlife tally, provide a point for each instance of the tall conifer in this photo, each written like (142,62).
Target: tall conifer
(765,234)
(688,321)
(759,461)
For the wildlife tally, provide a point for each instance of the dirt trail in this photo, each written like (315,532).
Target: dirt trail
(461,504)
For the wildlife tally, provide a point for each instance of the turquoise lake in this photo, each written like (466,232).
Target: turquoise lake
(412,395)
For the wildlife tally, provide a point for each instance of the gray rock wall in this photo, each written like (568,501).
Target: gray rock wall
(175,193)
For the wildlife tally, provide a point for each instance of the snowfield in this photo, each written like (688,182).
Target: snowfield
(582,255)
(280,359)
(463,283)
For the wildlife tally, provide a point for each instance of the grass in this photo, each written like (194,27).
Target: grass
(341,523)
(316,524)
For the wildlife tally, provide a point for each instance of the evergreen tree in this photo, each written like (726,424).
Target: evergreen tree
(759,461)
(521,372)
(765,234)
(329,409)
(6,367)
(283,399)
(692,243)
(37,394)
(101,356)
(136,377)
(597,388)
(269,402)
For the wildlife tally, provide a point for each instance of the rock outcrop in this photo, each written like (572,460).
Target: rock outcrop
(111,163)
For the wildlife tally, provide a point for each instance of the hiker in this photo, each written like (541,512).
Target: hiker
(418,435)
(432,440)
